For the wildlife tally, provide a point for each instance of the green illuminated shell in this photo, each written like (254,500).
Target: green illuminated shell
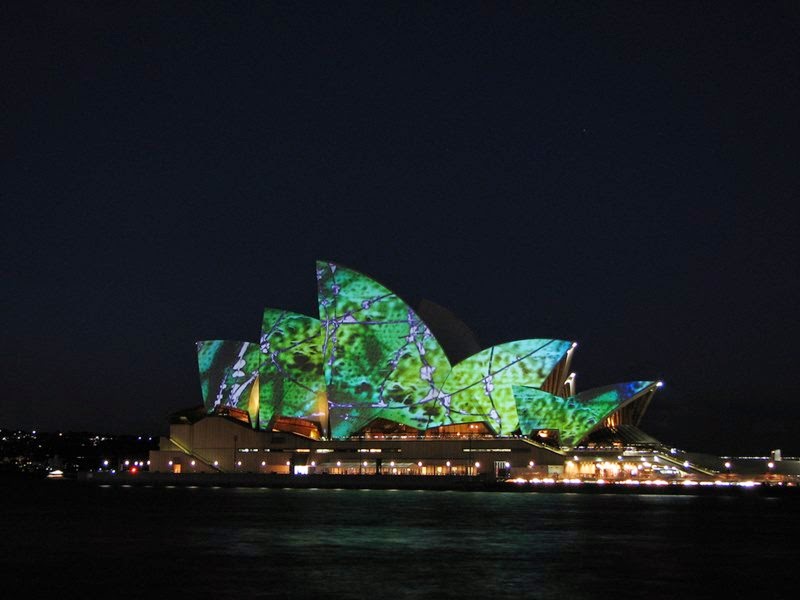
(479,388)
(380,359)
(229,370)
(370,356)
(291,377)
(575,416)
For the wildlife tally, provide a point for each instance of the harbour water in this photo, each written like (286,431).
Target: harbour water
(62,537)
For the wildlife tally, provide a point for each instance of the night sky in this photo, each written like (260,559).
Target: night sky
(622,175)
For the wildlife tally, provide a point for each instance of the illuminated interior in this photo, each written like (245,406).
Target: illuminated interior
(308,429)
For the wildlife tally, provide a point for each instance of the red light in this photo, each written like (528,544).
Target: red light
(134,470)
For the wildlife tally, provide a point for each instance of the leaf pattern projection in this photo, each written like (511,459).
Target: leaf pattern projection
(371,356)
(575,416)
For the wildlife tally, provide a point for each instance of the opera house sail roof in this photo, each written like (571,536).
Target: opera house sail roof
(370,357)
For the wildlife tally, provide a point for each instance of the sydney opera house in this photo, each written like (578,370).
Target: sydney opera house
(375,387)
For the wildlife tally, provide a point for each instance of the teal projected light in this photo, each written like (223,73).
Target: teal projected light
(370,356)
(229,375)
(576,416)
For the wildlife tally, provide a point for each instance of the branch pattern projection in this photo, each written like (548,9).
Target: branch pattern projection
(368,356)
(229,374)
(381,360)
(292,383)
(577,415)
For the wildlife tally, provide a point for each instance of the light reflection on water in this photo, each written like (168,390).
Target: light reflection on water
(225,543)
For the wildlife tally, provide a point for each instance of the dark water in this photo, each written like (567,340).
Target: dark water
(62,538)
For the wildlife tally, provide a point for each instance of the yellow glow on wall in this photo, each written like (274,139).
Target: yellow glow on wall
(252,403)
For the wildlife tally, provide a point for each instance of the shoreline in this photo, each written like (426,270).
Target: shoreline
(424,483)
